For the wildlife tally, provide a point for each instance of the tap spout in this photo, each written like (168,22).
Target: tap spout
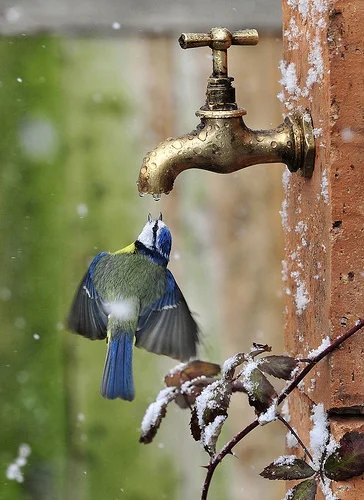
(222,143)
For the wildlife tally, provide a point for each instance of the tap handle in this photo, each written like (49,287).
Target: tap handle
(219,40)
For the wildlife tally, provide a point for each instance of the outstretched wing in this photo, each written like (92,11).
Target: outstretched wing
(167,326)
(88,315)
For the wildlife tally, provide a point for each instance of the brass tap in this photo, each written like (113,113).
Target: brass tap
(222,142)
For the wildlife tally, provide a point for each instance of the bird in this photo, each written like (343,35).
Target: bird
(131,294)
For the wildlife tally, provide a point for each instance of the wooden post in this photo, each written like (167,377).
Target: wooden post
(323,217)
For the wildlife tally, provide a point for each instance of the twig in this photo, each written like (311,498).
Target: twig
(294,433)
(316,359)
(215,460)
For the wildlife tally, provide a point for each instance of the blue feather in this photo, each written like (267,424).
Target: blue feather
(88,315)
(88,280)
(117,379)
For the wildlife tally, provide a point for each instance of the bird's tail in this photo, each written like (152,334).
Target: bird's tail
(117,379)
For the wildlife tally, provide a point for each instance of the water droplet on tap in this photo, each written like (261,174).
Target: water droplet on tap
(202,135)
(197,151)
(273,144)
(177,144)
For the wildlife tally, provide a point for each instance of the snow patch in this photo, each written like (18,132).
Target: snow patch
(319,434)
(206,401)
(269,415)
(211,432)
(154,410)
(315,352)
(285,460)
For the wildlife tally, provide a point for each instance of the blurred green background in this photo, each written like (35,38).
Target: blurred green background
(78,115)
(69,159)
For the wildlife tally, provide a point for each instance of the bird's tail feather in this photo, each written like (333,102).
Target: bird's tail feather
(117,379)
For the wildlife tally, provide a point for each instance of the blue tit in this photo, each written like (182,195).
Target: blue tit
(131,293)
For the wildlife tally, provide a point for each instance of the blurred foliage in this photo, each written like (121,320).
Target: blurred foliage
(67,190)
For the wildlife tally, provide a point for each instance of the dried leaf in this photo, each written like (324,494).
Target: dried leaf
(278,366)
(229,366)
(189,371)
(211,434)
(213,402)
(195,428)
(306,490)
(190,391)
(261,392)
(348,460)
(288,468)
(155,414)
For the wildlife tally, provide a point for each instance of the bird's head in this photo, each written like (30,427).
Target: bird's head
(156,238)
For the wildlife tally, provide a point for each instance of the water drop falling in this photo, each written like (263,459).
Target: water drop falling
(156,196)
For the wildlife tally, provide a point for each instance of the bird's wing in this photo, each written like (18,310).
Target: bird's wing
(167,326)
(88,315)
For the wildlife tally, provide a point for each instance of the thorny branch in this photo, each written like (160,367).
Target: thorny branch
(227,449)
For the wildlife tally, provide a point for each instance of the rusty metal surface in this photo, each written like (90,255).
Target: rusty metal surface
(115,18)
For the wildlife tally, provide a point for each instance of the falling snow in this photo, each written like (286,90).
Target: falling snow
(82,210)
(14,470)
(347,134)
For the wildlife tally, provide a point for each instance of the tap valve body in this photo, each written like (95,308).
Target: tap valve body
(220,93)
